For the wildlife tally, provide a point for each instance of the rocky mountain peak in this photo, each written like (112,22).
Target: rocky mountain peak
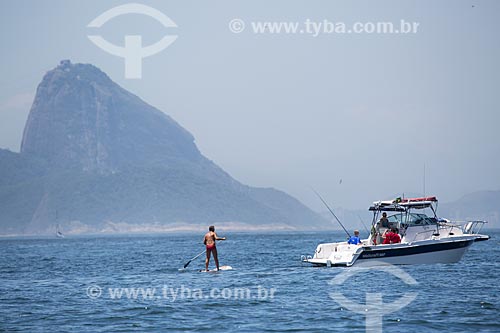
(82,119)
(96,158)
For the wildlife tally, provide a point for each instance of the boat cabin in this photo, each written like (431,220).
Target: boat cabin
(401,215)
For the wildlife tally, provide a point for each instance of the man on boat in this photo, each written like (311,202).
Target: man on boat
(381,227)
(354,240)
(209,241)
(392,237)
(384,221)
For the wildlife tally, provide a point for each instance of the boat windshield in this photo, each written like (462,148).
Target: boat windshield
(396,218)
(418,219)
(411,219)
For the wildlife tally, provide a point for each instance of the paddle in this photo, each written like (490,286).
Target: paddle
(199,254)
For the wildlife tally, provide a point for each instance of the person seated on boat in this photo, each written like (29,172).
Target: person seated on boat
(392,237)
(384,221)
(380,228)
(355,240)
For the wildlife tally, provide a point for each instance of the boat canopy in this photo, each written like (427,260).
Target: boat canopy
(401,205)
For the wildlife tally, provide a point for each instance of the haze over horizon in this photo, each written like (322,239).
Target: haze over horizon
(354,116)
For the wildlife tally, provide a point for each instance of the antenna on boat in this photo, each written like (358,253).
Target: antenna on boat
(331,211)
(424,180)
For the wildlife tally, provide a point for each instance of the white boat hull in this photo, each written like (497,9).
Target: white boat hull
(441,257)
(423,252)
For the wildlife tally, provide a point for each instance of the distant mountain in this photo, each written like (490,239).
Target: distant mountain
(482,205)
(95,157)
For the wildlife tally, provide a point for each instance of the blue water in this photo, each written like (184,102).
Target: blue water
(44,286)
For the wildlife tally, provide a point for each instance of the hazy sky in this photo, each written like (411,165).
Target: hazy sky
(292,111)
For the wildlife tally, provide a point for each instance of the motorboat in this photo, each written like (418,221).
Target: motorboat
(424,237)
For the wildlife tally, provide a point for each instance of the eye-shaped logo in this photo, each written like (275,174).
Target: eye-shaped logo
(374,309)
(132,51)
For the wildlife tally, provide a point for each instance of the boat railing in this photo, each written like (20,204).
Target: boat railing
(472,227)
(449,226)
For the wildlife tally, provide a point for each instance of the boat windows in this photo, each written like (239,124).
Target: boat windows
(397,218)
(418,219)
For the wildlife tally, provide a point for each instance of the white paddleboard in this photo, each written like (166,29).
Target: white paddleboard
(221,268)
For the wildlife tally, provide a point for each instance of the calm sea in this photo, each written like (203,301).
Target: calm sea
(133,284)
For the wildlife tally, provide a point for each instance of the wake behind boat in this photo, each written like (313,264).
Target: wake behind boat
(424,239)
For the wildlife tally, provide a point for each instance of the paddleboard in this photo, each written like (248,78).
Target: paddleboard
(221,268)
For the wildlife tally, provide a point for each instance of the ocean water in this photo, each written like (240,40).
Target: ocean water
(74,284)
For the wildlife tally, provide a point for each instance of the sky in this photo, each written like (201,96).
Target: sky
(357,116)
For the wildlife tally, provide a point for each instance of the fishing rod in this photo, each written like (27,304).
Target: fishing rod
(364,226)
(331,211)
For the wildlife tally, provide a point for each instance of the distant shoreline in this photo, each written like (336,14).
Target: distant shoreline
(179,232)
(123,229)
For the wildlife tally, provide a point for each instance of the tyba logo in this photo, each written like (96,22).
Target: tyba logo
(374,308)
(132,51)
